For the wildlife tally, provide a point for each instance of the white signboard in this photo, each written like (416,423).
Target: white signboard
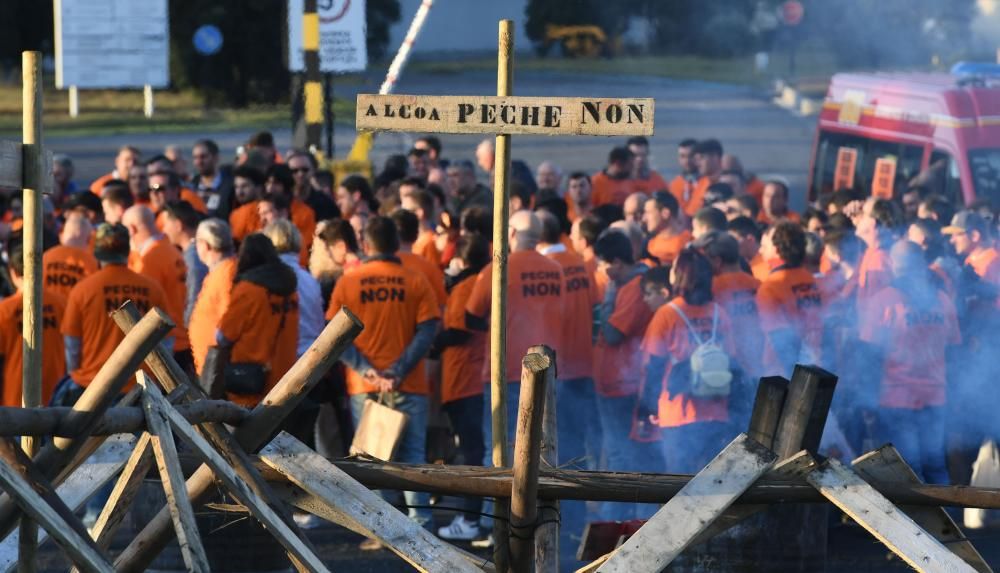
(112,43)
(341,36)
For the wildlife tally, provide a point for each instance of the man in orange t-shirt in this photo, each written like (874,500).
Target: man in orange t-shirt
(748,237)
(644,179)
(582,237)
(401,315)
(969,234)
(708,157)
(408,227)
(153,256)
(214,243)
(128,156)
(53,351)
(90,334)
(879,220)
(664,224)
(71,261)
(682,186)
(421,204)
(579,438)
(248,187)
(623,317)
(790,304)
(614,183)
(774,205)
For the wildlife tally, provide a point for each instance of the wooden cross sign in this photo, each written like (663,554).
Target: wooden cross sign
(504,115)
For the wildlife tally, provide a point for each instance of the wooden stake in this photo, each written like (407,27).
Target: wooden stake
(34,185)
(120,419)
(498,310)
(527,445)
(767,405)
(124,492)
(547,531)
(796,413)
(172,478)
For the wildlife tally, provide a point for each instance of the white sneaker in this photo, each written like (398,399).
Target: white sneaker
(307,520)
(459,530)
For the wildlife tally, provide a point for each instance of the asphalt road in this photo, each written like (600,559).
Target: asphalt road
(769,140)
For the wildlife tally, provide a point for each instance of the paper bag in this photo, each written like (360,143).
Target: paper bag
(985,473)
(379,431)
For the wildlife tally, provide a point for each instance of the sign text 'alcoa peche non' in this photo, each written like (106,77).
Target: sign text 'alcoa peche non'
(505,115)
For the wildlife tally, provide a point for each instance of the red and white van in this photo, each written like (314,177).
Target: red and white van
(943,130)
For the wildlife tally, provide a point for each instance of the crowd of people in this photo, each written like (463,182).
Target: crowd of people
(665,299)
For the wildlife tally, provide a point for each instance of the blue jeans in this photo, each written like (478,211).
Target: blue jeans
(466,420)
(688,448)
(919,436)
(579,424)
(412,446)
(624,454)
(513,397)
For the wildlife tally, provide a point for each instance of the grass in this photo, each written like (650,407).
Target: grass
(120,111)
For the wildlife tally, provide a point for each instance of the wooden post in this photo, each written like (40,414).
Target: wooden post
(50,421)
(87,411)
(147,101)
(825,385)
(35,183)
(767,405)
(547,531)
(527,445)
(253,433)
(498,309)
(796,413)
(74,101)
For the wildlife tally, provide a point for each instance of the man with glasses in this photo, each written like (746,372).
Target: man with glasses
(303,167)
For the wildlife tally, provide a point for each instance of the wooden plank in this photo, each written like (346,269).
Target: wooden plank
(696,506)
(240,490)
(825,388)
(796,413)
(508,115)
(886,466)
(77,489)
(359,508)
(172,478)
(865,505)
(124,492)
(766,413)
(79,549)
(11,165)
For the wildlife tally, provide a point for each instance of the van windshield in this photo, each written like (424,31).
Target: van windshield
(985,167)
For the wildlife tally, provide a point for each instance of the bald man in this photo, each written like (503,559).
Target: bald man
(633,207)
(152,255)
(486,156)
(549,178)
(71,261)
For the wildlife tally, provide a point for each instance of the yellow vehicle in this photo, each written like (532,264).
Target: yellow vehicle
(578,41)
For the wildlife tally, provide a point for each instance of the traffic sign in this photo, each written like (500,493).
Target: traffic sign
(207,40)
(792,13)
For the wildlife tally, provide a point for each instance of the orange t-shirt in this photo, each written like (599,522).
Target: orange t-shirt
(162,262)
(789,216)
(669,337)
(755,189)
(64,266)
(600,277)
(651,184)
(759,267)
(253,324)
(914,343)
(244,221)
(390,300)
(579,298)
(425,247)
(461,366)
(194,199)
(618,369)
(211,304)
(697,200)
(607,189)
(53,351)
(986,264)
(431,271)
(790,299)
(304,218)
(666,248)
(87,317)
(736,292)
(683,189)
(874,273)
(534,307)
(98,185)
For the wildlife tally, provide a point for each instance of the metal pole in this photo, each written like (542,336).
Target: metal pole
(74,101)
(328,112)
(35,182)
(498,311)
(313,88)
(147,101)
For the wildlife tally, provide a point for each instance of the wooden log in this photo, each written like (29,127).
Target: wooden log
(359,508)
(886,466)
(116,420)
(172,478)
(77,489)
(225,474)
(80,549)
(498,301)
(547,531)
(825,387)
(124,492)
(170,374)
(796,413)
(96,398)
(631,487)
(767,406)
(94,444)
(527,444)
(703,499)
(36,182)
(883,520)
